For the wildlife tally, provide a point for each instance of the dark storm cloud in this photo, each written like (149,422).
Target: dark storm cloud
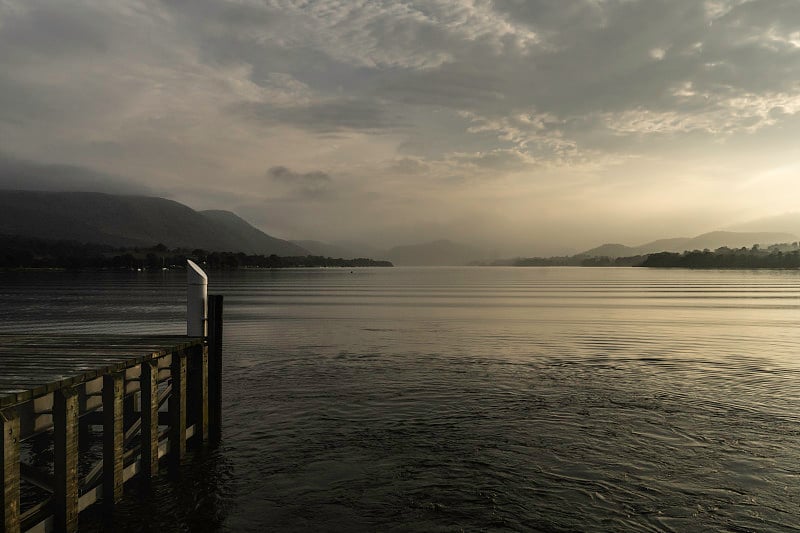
(314,184)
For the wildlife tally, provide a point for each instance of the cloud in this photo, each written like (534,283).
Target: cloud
(420,109)
(327,116)
(381,33)
(53,29)
(496,161)
(311,185)
(408,165)
(712,114)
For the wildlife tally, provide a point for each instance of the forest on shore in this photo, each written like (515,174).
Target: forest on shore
(777,256)
(725,259)
(32,253)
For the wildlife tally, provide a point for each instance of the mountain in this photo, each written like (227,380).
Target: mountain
(361,249)
(118,220)
(665,245)
(738,239)
(711,240)
(249,239)
(611,250)
(344,249)
(435,253)
(326,250)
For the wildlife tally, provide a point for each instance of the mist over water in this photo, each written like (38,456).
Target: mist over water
(447,399)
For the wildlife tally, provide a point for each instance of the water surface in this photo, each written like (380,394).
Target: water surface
(497,399)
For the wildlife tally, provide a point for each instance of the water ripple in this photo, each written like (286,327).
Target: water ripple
(473,399)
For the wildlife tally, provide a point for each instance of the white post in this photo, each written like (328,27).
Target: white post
(196,300)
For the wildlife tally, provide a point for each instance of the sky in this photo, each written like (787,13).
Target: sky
(527,126)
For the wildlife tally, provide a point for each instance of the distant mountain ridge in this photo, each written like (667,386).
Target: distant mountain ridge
(711,240)
(331,250)
(120,220)
(249,238)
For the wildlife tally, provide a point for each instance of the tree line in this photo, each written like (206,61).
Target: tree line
(737,259)
(26,252)
(776,256)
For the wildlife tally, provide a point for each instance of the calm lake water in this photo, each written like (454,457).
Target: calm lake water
(474,399)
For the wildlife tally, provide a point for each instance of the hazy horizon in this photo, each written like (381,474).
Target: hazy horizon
(525,127)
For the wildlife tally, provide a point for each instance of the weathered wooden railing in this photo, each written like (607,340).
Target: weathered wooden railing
(150,394)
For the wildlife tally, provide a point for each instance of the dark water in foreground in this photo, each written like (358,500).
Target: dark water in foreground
(473,399)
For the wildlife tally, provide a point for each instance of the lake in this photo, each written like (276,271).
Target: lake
(450,399)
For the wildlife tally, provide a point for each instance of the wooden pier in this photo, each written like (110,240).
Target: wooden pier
(150,395)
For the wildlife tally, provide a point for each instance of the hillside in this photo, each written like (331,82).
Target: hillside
(738,239)
(345,249)
(610,250)
(325,249)
(130,221)
(234,229)
(711,240)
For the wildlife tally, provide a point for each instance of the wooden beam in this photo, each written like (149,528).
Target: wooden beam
(198,401)
(36,476)
(177,410)
(149,440)
(38,517)
(113,439)
(9,453)
(215,367)
(65,461)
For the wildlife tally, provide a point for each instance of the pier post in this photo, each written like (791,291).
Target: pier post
(65,461)
(149,388)
(198,392)
(177,410)
(84,425)
(113,439)
(9,454)
(196,300)
(215,367)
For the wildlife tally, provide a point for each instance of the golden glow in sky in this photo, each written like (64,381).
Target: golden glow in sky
(532,126)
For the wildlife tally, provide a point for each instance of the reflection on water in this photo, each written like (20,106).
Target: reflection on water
(478,398)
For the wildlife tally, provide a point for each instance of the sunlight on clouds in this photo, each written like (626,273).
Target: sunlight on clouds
(526,130)
(776,39)
(715,9)
(382,33)
(748,112)
(421,109)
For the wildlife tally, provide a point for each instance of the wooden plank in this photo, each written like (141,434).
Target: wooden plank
(215,308)
(39,517)
(149,434)
(31,366)
(86,339)
(9,453)
(177,410)
(36,476)
(113,435)
(65,461)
